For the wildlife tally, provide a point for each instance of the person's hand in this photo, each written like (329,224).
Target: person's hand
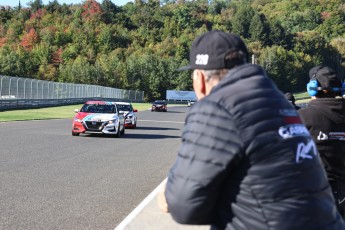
(161,200)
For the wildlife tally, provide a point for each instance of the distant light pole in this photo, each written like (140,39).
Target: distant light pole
(254,60)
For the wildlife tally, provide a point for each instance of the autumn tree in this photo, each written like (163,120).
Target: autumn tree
(92,10)
(30,39)
(141,44)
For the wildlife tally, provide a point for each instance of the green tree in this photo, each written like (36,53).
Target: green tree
(16,63)
(242,19)
(41,54)
(141,44)
(6,14)
(112,71)
(109,11)
(258,29)
(79,71)
(54,6)
(216,7)
(314,44)
(338,44)
(278,36)
(183,80)
(35,5)
(287,69)
(333,24)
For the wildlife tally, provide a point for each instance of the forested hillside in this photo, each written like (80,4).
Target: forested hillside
(140,45)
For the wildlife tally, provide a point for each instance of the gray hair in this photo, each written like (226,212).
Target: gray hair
(235,58)
(216,73)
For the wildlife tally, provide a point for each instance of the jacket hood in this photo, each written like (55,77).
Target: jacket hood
(241,72)
(332,108)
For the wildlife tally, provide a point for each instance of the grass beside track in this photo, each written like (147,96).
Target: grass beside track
(51,112)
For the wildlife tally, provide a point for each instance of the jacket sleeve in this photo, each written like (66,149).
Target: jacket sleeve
(210,144)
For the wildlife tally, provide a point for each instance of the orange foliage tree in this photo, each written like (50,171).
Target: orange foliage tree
(30,39)
(3,41)
(92,10)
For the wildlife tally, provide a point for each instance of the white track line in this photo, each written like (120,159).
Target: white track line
(140,207)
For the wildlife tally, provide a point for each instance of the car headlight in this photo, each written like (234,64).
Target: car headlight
(112,121)
(130,116)
(78,120)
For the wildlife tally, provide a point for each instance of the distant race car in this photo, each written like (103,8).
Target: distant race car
(159,106)
(190,103)
(129,113)
(99,117)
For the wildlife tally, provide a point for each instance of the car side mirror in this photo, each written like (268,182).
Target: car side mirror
(135,110)
(76,110)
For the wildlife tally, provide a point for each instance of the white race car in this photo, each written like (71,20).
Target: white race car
(99,117)
(129,113)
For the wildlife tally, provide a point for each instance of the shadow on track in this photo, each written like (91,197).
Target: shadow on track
(130,136)
(169,111)
(148,136)
(153,128)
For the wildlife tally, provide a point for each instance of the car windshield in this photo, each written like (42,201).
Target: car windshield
(160,102)
(97,108)
(124,107)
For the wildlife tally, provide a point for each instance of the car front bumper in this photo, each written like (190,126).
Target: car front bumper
(96,127)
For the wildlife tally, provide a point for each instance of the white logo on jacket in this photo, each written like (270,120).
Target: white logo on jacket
(306,151)
(340,136)
(289,131)
(322,136)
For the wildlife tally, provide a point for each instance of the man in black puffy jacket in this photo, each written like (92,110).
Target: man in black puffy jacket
(325,119)
(246,161)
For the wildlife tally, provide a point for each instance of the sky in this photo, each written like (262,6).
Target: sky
(14,3)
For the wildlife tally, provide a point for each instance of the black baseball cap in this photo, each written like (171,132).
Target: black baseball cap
(326,77)
(209,50)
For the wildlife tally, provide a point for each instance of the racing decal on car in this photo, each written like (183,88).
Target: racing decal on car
(340,136)
(294,130)
(98,117)
(306,151)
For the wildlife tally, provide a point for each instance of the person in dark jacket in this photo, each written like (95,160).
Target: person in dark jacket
(290,97)
(246,161)
(324,117)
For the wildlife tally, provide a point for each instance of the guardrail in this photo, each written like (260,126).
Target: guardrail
(19,93)
(26,88)
(9,104)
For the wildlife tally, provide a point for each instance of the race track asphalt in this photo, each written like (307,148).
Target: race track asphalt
(52,180)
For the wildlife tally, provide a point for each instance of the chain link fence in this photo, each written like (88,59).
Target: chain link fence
(23,92)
